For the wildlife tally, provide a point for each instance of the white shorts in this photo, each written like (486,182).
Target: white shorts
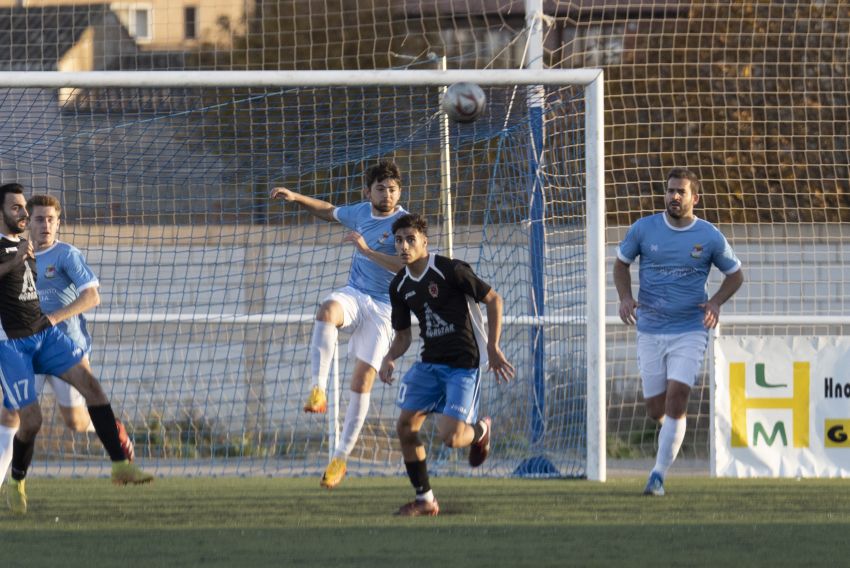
(368,322)
(675,357)
(65,394)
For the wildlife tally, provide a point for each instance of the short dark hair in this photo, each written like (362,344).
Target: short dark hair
(685,173)
(385,169)
(411,221)
(10,188)
(44,201)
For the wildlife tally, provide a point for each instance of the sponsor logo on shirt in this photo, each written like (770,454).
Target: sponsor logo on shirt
(433,289)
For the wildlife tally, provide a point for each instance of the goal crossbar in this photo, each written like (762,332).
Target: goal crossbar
(378,78)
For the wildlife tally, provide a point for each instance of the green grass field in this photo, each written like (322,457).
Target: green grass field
(483,522)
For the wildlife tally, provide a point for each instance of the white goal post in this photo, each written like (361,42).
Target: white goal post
(591,80)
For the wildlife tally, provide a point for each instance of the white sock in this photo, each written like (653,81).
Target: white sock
(322,347)
(6,436)
(669,441)
(427,497)
(355,416)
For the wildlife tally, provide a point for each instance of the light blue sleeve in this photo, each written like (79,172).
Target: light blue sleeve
(724,257)
(629,248)
(348,215)
(77,270)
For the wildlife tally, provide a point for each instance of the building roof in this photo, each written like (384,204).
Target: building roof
(597,9)
(36,38)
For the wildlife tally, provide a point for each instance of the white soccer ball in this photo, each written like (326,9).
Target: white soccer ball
(463,102)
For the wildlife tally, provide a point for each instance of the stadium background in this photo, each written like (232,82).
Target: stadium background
(751,94)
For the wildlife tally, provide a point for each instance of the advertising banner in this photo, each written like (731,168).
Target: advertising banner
(781,407)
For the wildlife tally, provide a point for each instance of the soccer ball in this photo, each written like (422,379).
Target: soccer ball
(463,102)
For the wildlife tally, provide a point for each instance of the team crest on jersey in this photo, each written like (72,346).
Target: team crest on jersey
(383,238)
(696,252)
(433,289)
(50,271)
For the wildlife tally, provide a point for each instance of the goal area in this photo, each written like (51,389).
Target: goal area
(209,289)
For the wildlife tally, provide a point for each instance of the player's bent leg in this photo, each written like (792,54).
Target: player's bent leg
(454,433)
(30,422)
(9,423)
(23,445)
(329,318)
(105,424)
(80,377)
(670,436)
(76,418)
(480,448)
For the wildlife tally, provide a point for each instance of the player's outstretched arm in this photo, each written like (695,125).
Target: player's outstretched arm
(401,342)
(499,364)
(88,299)
(316,207)
(391,262)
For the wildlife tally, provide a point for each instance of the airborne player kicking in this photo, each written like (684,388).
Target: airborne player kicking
(444,295)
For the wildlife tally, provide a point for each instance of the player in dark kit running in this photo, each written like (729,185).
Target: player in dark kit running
(444,295)
(30,344)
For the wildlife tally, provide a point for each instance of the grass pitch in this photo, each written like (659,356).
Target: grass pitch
(483,522)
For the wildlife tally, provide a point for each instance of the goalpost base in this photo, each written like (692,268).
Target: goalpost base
(537,466)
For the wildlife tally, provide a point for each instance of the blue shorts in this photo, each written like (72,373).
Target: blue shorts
(451,391)
(49,352)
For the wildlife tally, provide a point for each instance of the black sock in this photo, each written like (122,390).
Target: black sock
(21,457)
(478,428)
(417,471)
(103,420)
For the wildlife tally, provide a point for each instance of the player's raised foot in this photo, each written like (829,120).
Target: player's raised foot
(479,451)
(126,442)
(419,508)
(317,402)
(16,496)
(654,485)
(124,473)
(333,473)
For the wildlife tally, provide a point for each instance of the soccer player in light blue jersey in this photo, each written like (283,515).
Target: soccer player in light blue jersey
(673,311)
(362,307)
(67,287)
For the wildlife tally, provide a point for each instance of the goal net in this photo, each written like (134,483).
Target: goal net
(209,289)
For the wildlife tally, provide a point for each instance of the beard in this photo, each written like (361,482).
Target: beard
(676,213)
(12,224)
(383,208)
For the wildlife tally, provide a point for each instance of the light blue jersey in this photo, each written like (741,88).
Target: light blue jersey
(674,267)
(366,275)
(62,275)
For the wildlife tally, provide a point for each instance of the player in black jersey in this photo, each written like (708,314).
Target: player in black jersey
(30,344)
(444,295)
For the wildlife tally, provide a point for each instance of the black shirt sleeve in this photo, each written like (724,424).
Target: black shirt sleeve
(401,311)
(468,281)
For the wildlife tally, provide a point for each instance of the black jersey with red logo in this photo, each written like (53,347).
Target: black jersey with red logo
(20,312)
(444,299)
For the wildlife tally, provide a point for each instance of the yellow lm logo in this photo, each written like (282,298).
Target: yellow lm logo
(798,404)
